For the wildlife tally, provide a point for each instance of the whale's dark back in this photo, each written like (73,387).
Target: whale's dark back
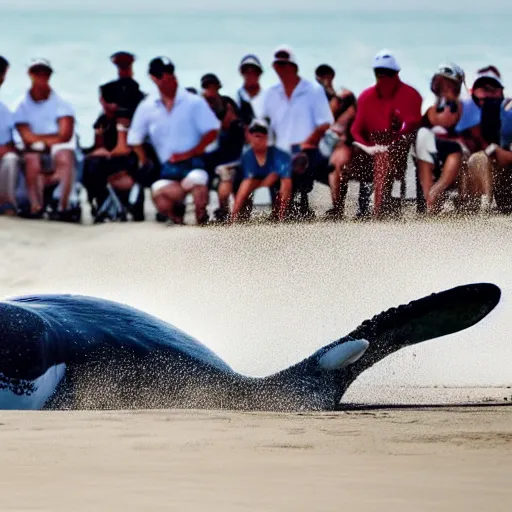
(70,328)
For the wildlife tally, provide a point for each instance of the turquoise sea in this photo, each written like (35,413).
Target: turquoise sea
(202,37)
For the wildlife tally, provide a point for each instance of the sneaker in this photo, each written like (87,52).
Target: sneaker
(221,215)
(334,214)
(72,215)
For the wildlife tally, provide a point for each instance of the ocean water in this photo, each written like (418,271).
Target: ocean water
(200,38)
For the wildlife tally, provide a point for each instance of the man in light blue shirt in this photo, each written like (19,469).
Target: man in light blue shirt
(8,157)
(180,126)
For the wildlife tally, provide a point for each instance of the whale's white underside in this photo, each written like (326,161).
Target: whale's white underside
(44,387)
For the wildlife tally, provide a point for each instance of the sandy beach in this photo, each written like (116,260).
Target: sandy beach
(263,298)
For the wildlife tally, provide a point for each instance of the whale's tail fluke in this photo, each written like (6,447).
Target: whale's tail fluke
(437,315)
(322,379)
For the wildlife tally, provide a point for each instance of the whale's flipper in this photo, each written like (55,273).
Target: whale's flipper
(315,383)
(424,319)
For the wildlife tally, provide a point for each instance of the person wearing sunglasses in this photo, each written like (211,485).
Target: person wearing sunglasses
(45,123)
(438,158)
(299,114)
(490,169)
(8,157)
(387,119)
(180,126)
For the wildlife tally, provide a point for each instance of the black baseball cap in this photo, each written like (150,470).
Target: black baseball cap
(210,79)
(324,69)
(160,65)
(4,64)
(122,59)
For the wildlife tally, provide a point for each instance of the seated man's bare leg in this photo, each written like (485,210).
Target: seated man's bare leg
(33,181)
(448,177)
(426,177)
(477,180)
(200,195)
(64,165)
(340,159)
(8,179)
(382,182)
(167,197)
(224,192)
(247,187)
(360,169)
(196,182)
(121,181)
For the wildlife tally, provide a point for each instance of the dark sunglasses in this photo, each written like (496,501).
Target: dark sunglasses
(282,55)
(258,129)
(384,72)
(41,70)
(488,85)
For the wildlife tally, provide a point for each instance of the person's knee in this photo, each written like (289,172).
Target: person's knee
(10,162)
(425,147)
(63,161)
(195,178)
(32,163)
(478,160)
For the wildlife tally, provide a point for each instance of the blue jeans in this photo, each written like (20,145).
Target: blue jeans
(178,171)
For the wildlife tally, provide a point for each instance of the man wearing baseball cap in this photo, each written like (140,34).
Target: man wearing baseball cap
(8,157)
(489,168)
(211,85)
(45,123)
(250,95)
(264,166)
(123,93)
(324,74)
(299,114)
(387,118)
(180,126)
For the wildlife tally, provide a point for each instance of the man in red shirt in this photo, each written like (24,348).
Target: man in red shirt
(387,119)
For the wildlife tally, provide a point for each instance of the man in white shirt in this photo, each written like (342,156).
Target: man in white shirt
(299,114)
(8,157)
(180,125)
(45,123)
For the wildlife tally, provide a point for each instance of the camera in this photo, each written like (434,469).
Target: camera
(443,103)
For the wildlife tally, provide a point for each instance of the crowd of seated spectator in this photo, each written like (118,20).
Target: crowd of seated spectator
(178,141)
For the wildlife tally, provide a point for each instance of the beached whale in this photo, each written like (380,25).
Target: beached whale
(74,352)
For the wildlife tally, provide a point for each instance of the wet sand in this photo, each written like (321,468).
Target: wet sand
(401,460)
(264,297)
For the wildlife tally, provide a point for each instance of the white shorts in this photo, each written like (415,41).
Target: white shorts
(197,177)
(71,145)
(425,147)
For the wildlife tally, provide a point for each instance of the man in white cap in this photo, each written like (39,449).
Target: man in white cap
(45,123)
(8,158)
(489,168)
(299,114)
(388,116)
(250,96)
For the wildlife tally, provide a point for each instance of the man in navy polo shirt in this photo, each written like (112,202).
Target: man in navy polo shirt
(264,166)
(180,126)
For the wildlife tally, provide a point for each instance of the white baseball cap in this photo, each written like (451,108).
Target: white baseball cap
(489,74)
(251,60)
(39,62)
(258,123)
(284,53)
(386,60)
